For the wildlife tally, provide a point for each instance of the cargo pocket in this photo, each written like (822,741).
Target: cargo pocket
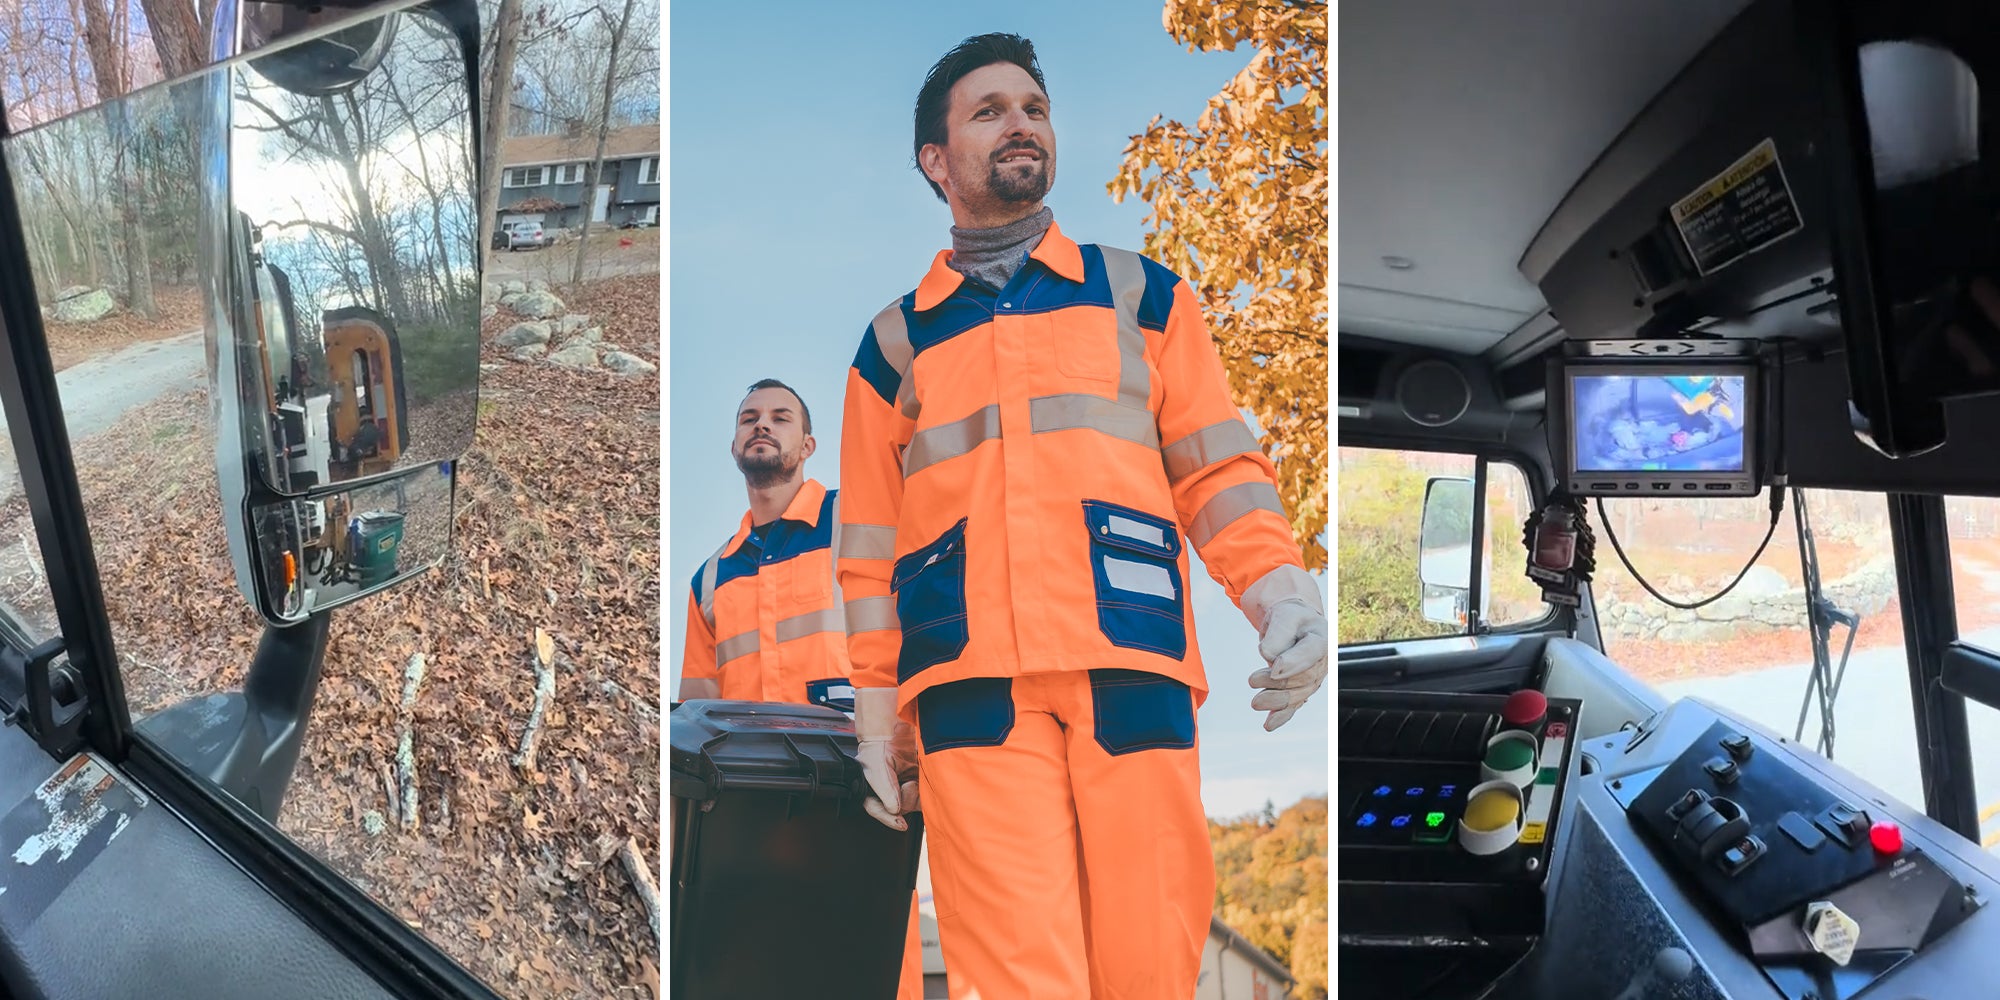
(1135,558)
(833,692)
(1135,710)
(976,712)
(929,585)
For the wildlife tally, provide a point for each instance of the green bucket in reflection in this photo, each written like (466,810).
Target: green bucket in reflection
(375,536)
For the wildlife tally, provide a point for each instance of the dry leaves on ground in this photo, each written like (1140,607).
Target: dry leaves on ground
(557,528)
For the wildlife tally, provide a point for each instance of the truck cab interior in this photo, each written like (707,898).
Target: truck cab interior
(1678,250)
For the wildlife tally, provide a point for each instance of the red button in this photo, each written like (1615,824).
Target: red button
(1524,707)
(1886,836)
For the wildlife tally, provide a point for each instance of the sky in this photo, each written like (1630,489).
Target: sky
(797,215)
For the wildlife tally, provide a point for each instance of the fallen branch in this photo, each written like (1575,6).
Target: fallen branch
(388,789)
(33,563)
(642,882)
(545,689)
(406,756)
(610,686)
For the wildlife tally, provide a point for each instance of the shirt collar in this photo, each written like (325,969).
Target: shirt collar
(804,508)
(1057,252)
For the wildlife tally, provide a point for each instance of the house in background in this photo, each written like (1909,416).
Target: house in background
(542,178)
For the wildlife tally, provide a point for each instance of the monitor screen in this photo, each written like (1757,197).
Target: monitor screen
(1678,421)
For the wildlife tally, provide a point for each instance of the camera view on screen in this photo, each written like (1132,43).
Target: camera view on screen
(1658,423)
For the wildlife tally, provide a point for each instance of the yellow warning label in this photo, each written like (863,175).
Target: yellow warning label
(1738,212)
(1729,180)
(1532,833)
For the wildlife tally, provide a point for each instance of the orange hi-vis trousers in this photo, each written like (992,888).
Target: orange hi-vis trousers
(1069,849)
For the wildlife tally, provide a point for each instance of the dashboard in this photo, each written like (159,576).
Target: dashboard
(1486,852)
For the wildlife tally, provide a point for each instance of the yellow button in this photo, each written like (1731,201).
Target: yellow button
(1491,810)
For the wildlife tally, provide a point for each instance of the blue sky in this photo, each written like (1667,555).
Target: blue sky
(796,214)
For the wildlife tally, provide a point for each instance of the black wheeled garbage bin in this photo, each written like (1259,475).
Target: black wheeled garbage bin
(781,885)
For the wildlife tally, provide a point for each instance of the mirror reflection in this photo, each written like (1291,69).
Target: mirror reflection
(357,210)
(322,551)
(1444,549)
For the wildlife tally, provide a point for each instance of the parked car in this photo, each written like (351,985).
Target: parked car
(526,234)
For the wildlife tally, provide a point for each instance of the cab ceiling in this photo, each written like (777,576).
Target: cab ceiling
(1462,126)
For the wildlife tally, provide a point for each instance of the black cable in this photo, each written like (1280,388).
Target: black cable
(1777,509)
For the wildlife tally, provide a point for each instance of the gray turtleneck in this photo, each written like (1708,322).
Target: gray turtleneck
(993,256)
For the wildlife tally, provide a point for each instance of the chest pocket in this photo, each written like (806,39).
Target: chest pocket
(812,578)
(1083,350)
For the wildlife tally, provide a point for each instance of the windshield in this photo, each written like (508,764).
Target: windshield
(1751,651)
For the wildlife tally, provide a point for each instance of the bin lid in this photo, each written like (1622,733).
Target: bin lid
(718,746)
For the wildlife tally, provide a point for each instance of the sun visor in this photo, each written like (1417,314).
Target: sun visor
(1820,172)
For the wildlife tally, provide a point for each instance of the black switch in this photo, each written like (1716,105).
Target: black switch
(1845,824)
(1692,798)
(1740,855)
(1722,769)
(1738,746)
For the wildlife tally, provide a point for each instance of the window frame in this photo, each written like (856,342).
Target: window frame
(649,170)
(568,173)
(1554,617)
(541,175)
(403,960)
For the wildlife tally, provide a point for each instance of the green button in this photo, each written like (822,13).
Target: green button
(1548,776)
(1510,755)
(1433,835)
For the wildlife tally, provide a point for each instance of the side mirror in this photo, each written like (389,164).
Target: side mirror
(342,268)
(1445,548)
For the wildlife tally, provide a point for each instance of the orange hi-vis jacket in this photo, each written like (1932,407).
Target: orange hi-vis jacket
(1019,471)
(764,614)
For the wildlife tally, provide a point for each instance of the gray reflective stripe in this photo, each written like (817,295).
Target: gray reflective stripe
(1225,507)
(734,647)
(871,614)
(1126,274)
(868,541)
(1140,578)
(833,554)
(936,444)
(1073,412)
(811,623)
(892,338)
(906,394)
(1206,447)
(707,597)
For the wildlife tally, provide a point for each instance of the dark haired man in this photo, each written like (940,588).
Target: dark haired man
(1028,438)
(764,619)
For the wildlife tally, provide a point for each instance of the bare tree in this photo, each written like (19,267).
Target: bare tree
(102,36)
(499,90)
(596,173)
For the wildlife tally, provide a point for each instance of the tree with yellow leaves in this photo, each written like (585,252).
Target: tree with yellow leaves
(1239,207)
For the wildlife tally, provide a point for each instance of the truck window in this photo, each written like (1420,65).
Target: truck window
(114,256)
(1406,574)
(1752,650)
(1974,530)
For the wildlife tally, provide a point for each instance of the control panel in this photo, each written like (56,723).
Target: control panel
(1825,896)
(1448,814)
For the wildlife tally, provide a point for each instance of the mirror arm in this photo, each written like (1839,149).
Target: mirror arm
(278,694)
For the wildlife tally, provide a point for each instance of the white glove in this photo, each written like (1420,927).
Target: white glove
(1285,607)
(887,751)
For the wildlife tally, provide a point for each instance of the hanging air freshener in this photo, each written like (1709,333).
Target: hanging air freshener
(1560,550)
(1552,544)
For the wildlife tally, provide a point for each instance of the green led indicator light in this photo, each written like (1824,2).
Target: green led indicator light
(1434,820)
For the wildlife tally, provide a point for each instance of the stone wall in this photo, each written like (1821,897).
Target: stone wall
(1762,604)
